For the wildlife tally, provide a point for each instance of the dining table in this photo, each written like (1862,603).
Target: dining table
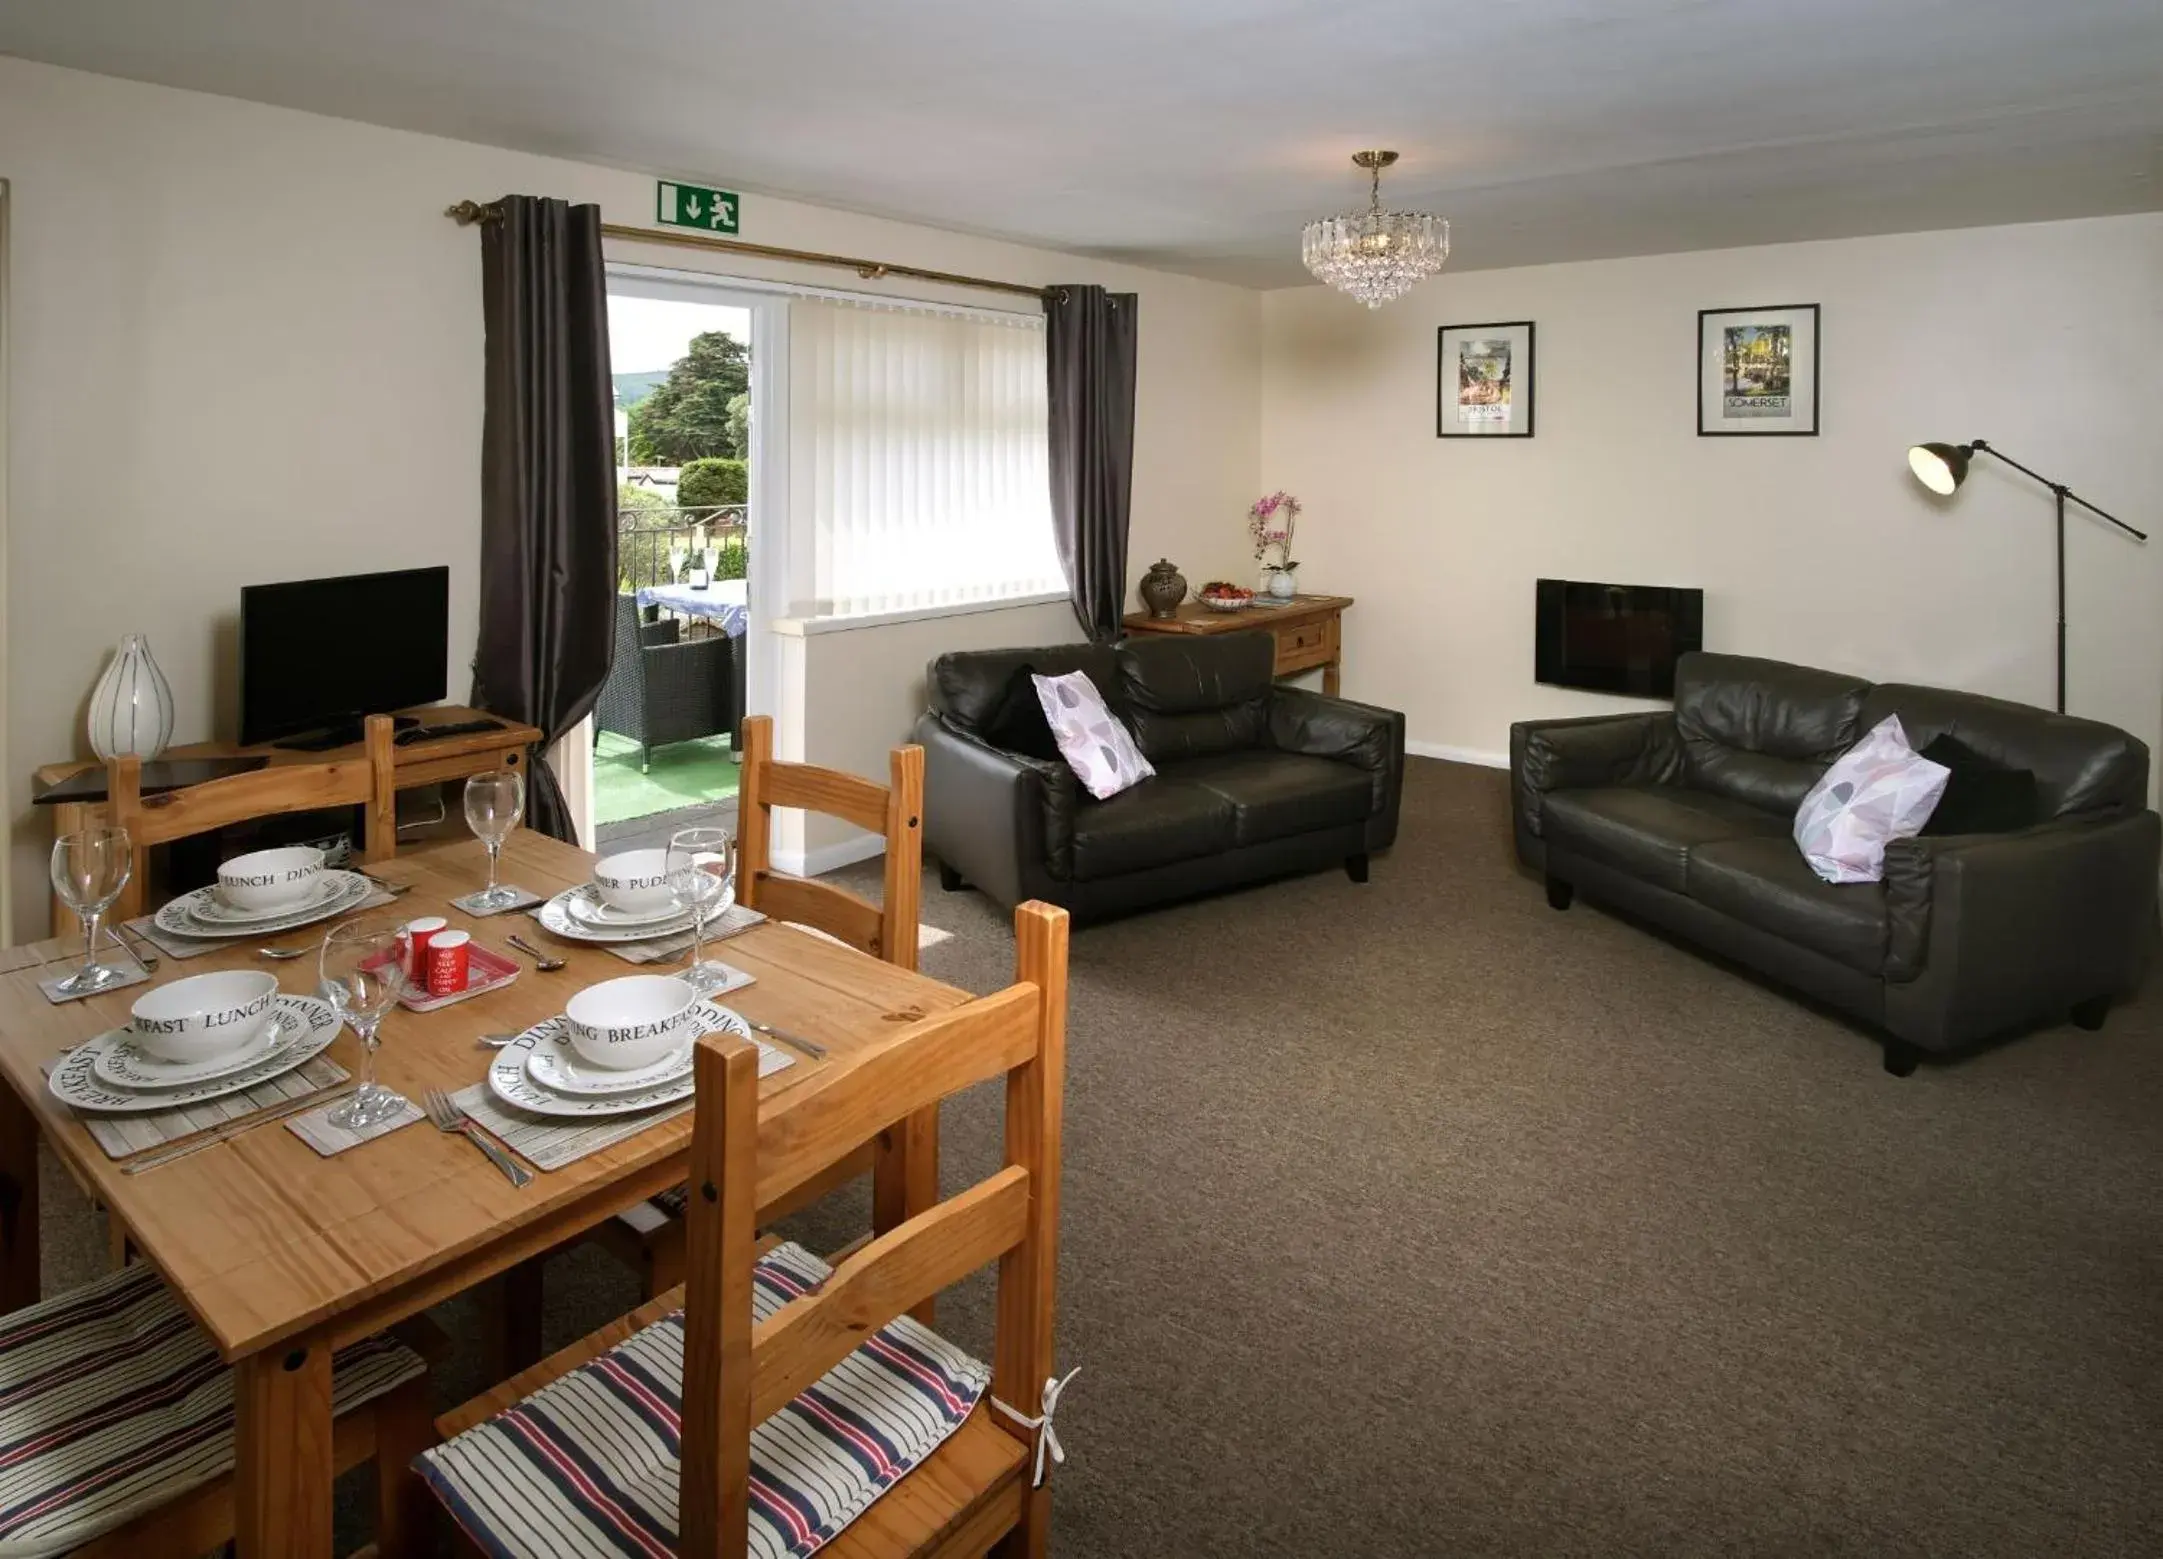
(283,1255)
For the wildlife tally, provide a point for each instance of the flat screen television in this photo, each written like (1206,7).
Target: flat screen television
(316,655)
(1615,638)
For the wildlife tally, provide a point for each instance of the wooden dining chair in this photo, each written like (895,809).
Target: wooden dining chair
(368,781)
(811,1407)
(904,1160)
(117,1425)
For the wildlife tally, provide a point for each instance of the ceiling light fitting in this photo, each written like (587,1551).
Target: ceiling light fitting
(1375,255)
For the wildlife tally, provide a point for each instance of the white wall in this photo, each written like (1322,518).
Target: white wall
(247,346)
(2047,339)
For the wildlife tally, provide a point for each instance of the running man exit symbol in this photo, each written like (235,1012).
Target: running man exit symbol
(687,205)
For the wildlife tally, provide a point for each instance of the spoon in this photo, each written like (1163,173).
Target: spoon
(541,960)
(283,953)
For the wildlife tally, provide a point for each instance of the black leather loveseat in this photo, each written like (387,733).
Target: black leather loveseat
(1685,817)
(1253,780)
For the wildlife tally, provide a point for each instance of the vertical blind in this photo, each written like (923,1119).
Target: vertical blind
(917,456)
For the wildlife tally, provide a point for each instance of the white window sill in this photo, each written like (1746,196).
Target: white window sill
(805,627)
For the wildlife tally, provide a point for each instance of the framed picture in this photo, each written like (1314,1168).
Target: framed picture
(1757,370)
(1483,381)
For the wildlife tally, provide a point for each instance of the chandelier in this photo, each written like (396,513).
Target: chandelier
(1375,255)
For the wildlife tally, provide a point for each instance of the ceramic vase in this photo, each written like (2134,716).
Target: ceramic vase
(131,710)
(1280,584)
(1163,588)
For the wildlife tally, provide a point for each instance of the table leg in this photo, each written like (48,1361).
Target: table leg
(1330,674)
(18,1202)
(282,1450)
(905,1178)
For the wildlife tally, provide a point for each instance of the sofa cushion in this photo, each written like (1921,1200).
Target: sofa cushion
(1767,884)
(1156,823)
(1877,791)
(971,688)
(1649,831)
(2079,765)
(1982,797)
(1095,745)
(1190,696)
(1275,795)
(1762,731)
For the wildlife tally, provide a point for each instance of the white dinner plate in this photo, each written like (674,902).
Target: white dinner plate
(586,906)
(126,1064)
(207,907)
(74,1081)
(556,1064)
(557,920)
(509,1082)
(179,916)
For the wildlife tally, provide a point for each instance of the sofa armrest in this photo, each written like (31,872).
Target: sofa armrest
(1585,753)
(1318,726)
(1002,820)
(2001,928)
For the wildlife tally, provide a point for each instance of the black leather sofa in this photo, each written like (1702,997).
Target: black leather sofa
(1685,817)
(1253,780)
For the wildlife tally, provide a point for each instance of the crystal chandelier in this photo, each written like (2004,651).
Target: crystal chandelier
(1375,255)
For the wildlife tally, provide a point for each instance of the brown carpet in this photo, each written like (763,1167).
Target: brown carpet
(1416,1218)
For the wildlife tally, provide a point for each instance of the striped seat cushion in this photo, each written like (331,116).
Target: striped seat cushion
(114,1402)
(587,1465)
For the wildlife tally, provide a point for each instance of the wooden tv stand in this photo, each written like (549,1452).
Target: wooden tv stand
(417,764)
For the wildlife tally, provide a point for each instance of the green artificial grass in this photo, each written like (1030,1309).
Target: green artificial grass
(684,774)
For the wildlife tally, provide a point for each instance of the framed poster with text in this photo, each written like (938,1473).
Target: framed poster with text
(1757,370)
(1483,381)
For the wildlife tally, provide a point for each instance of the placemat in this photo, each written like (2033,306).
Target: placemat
(551,1144)
(123,1135)
(126,963)
(314,1128)
(176,946)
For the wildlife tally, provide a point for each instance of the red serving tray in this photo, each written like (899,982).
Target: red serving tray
(486,971)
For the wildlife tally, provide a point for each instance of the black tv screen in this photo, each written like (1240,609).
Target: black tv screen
(1615,638)
(321,653)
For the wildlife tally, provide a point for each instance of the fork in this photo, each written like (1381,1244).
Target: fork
(541,961)
(447,1117)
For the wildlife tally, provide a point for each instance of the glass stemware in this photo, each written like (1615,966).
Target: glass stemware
(701,867)
(495,801)
(363,973)
(89,869)
(678,551)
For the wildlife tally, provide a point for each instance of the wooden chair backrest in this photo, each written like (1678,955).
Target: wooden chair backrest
(368,780)
(885,930)
(737,1374)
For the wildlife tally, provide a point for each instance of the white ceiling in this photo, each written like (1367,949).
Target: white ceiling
(1199,134)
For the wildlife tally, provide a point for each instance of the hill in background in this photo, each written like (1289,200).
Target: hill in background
(633,388)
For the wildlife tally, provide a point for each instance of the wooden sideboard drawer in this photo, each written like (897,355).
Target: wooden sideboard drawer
(1304,645)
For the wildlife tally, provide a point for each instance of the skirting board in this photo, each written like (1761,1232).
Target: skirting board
(827,858)
(1486,760)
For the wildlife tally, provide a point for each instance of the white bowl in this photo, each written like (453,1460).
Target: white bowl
(635,881)
(271,879)
(632,1022)
(203,1016)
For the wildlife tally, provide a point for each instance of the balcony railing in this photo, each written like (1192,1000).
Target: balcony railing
(657,545)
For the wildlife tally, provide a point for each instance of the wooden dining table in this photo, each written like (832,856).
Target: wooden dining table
(284,1255)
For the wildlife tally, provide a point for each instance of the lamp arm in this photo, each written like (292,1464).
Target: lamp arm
(2059,487)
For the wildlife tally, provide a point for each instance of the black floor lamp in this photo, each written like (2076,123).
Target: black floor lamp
(1943,467)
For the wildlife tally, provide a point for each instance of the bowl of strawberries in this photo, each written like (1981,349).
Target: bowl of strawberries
(1221,595)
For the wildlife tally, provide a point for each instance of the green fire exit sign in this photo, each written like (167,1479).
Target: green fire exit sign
(687,205)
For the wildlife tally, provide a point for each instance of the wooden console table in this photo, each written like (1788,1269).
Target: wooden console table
(1309,632)
(418,763)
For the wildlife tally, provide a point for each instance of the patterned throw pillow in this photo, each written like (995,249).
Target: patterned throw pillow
(1879,790)
(1091,739)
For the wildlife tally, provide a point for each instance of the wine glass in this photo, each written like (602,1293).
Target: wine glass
(89,869)
(495,801)
(678,551)
(363,972)
(701,868)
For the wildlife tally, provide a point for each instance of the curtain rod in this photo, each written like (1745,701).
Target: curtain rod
(468,212)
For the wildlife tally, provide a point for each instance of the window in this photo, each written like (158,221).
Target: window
(918,456)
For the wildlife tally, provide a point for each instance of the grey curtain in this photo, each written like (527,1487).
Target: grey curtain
(1089,345)
(548,479)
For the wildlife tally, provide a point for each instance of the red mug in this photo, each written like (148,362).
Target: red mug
(419,933)
(450,962)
